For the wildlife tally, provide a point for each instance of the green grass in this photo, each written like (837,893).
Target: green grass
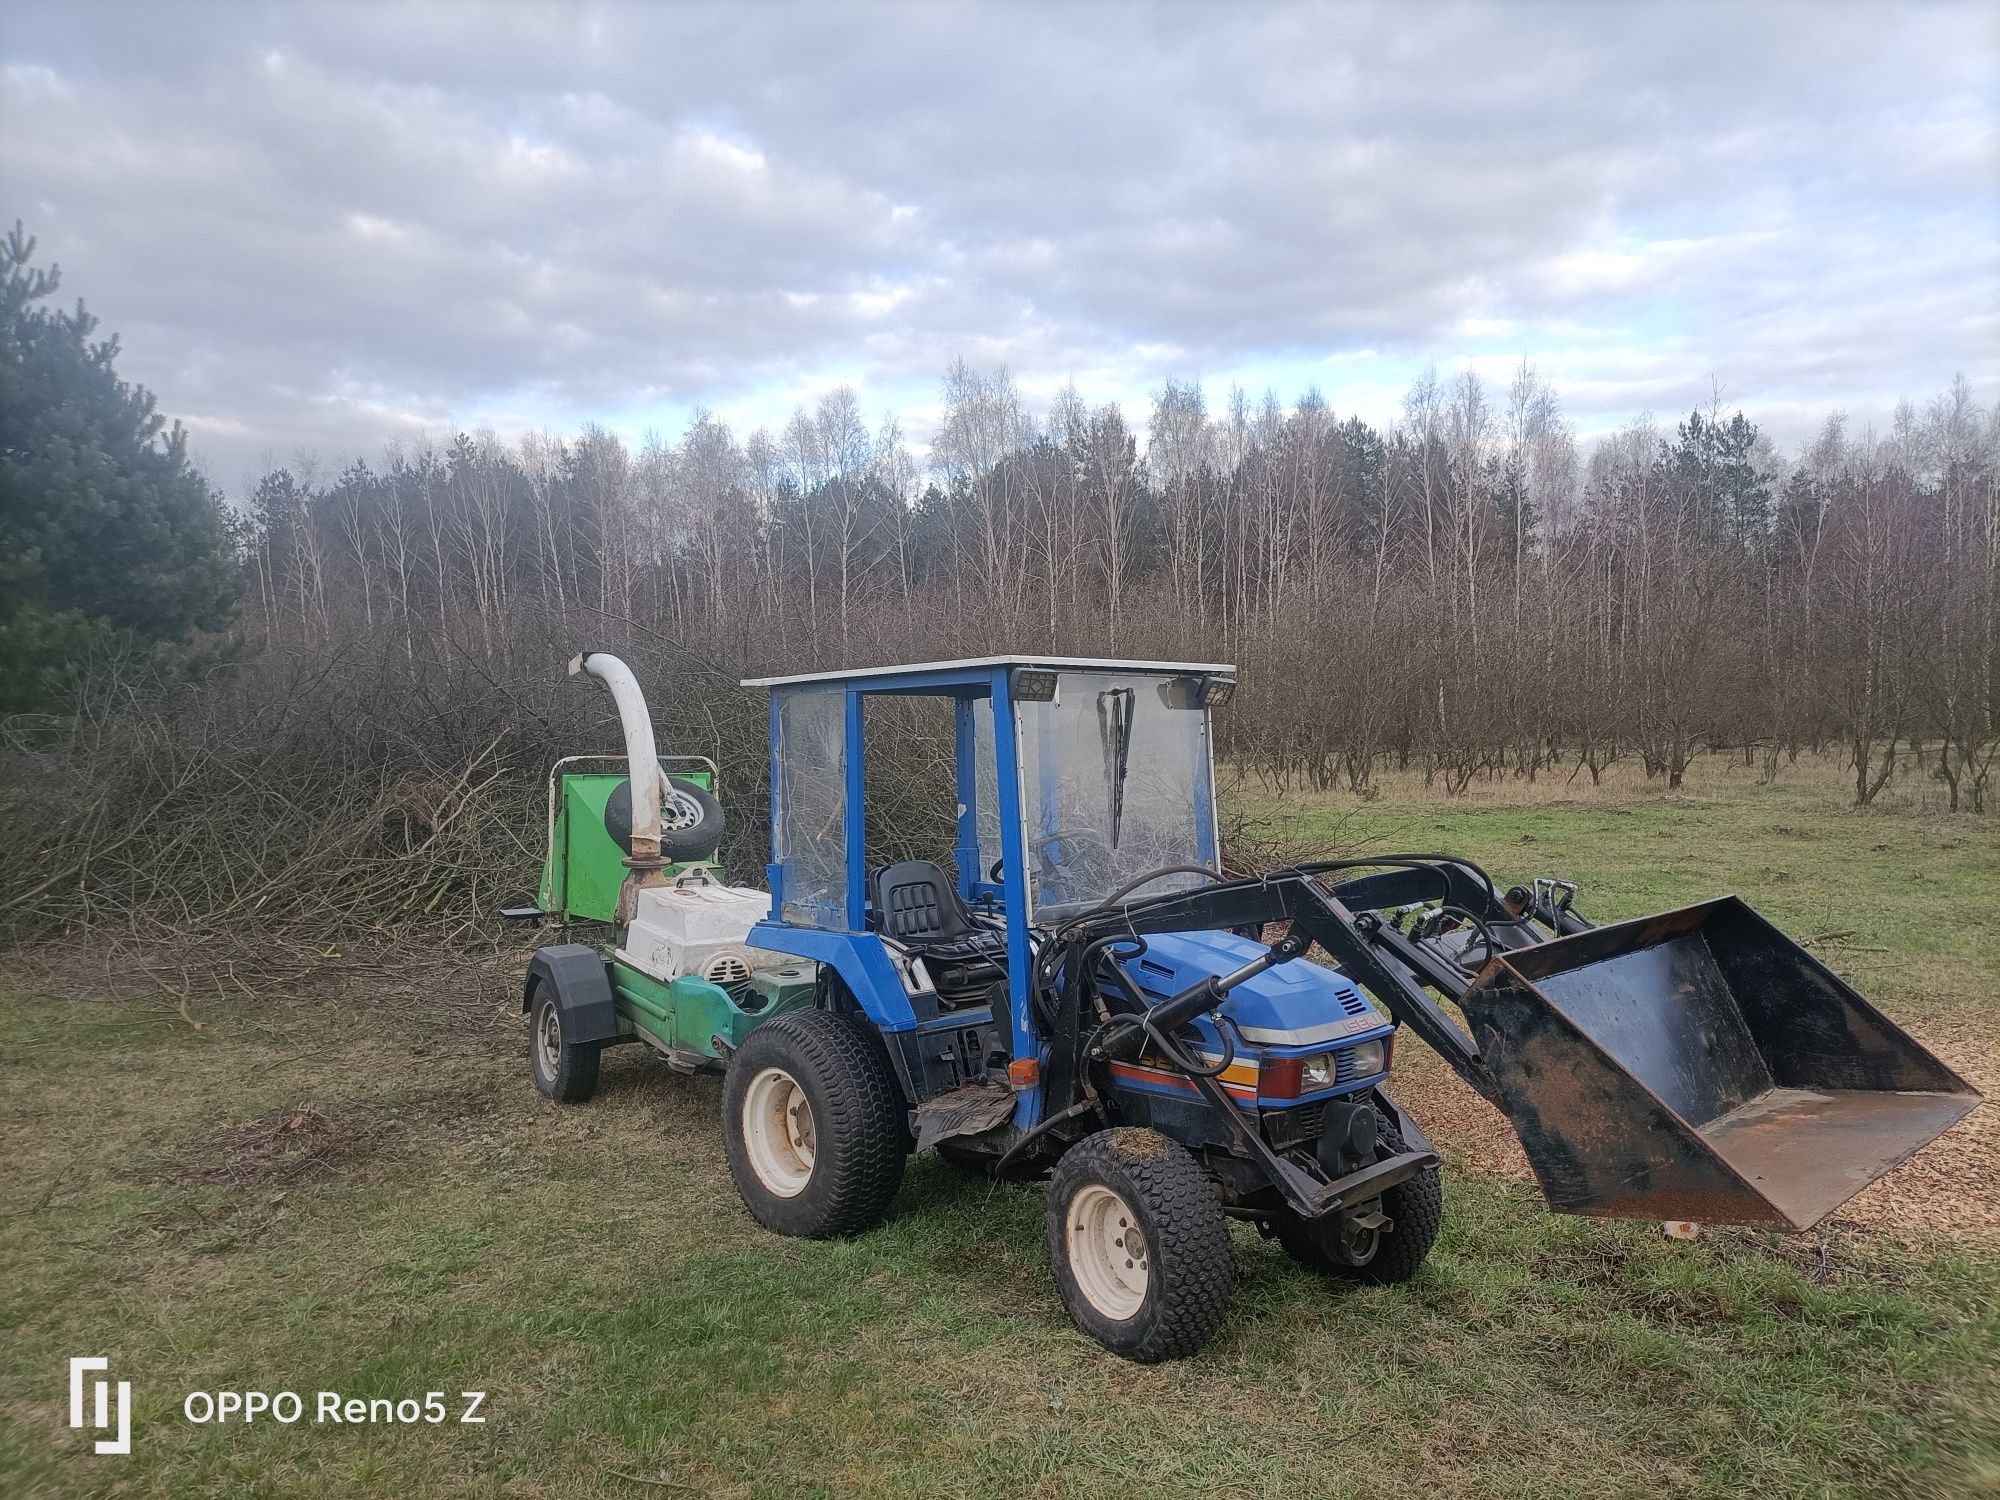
(592,1270)
(1915,893)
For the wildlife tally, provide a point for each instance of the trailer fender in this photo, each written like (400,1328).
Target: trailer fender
(581,983)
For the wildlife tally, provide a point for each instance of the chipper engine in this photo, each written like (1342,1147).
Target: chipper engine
(1073,989)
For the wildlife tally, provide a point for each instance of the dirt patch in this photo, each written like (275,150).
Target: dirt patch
(284,1146)
(1464,1126)
(1953,1184)
(1139,1145)
(432,986)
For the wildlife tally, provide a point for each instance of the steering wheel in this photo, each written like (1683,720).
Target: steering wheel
(1062,847)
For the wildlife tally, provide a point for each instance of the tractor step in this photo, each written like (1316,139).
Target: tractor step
(965,1110)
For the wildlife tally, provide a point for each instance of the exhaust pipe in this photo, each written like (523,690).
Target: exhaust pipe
(642,759)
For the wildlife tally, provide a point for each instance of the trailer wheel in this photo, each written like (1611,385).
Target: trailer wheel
(814,1126)
(1415,1209)
(1139,1245)
(564,1070)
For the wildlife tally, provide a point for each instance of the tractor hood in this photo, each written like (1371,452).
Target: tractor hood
(1299,1004)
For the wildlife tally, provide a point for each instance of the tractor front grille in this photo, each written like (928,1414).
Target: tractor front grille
(1286,1128)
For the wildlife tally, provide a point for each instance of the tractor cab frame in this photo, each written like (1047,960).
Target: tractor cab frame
(1071,778)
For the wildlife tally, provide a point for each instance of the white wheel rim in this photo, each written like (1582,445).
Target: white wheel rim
(778,1132)
(678,810)
(1360,1244)
(1107,1251)
(548,1041)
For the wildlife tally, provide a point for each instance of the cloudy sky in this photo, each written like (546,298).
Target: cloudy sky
(321,227)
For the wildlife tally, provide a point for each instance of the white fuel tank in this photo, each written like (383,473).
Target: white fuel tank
(698,929)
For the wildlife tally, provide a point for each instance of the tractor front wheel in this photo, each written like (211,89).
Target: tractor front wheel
(814,1126)
(1414,1208)
(564,1070)
(1139,1245)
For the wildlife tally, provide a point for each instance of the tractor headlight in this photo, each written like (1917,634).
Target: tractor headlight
(1322,1070)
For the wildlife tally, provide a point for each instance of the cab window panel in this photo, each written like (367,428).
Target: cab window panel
(1115,785)
(986,789)
(808,836)
(911,810)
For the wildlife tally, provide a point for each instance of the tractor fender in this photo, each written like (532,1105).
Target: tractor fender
(860,960)
(581,983)
(1413,1135)
(869,978)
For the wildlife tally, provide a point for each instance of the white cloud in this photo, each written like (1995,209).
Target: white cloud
(317,233)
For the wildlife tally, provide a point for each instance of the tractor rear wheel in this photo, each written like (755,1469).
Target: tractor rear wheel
(814,1125)
(564,1070)
(1415,1209)
(1139,1245)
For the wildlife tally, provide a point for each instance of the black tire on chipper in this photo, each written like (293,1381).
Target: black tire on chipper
(564,1069)
(1700,1065)
(692,822)
(572,1015)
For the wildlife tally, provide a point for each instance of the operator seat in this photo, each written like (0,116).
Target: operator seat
(918,905)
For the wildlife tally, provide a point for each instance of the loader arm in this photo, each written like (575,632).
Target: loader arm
(1695,1065)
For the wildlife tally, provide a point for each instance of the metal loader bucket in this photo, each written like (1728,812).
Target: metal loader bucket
(1701,1065)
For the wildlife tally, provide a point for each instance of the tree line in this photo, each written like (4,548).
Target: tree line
(334,705)
(1469,591)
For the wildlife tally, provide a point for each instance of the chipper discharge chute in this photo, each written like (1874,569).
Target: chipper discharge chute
(1700,1065)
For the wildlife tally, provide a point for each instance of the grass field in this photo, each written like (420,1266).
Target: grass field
(348,1184)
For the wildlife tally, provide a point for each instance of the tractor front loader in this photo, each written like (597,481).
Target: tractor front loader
(1697,1065)
(1081,995)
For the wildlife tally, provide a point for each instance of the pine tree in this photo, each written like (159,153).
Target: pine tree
(109,538)
(1714,461)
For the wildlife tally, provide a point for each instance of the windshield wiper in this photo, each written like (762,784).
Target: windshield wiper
(1114,730)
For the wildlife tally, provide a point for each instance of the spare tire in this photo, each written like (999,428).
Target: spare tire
(691,820)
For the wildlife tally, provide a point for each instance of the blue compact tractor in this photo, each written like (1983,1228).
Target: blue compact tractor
(1073,988)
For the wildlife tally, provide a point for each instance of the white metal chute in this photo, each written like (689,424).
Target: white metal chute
(642,760)
(640,749)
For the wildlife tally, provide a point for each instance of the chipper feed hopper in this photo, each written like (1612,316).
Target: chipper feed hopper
(1072,989)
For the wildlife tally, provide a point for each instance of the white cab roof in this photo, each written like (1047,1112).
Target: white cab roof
(1057,663)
